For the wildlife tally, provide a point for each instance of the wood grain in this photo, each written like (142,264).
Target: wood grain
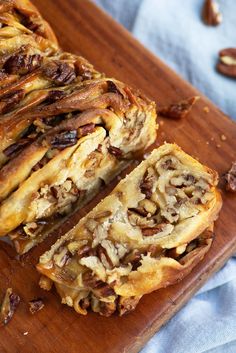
(84,29)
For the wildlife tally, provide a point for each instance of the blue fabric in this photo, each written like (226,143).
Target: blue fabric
(173,30)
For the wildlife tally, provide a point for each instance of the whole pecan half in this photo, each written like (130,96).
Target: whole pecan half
(230,178)
(9,101)
(36,305)
(59,72)
(8,307)
(178,110)
(227,62)
(64,139)
(22,63)
(210,13)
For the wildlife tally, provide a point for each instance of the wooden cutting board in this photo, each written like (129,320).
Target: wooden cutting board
(84,29)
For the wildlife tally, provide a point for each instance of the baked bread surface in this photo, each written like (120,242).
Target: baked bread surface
(65,128)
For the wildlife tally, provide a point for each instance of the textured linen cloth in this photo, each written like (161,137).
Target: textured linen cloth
(173,30)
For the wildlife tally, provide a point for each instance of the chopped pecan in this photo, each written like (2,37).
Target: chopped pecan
(100,288)
(190,179)
(107,309)
(36,305)
(230,178)
(168,165)
(55,95)
(85,303)
(178,110)
(12,150)
(139,210)
(40,164)
(32,25)
(115,151)
(149,231)
(59,72)
(147,206)
(210,13)
(64,139)
(22,64)
(147,183)
(62,258)
(103,256)
(66,275)
(9,101)
(127,304)
(103,290)
(133,258)
(83,71)
(45,283)
(155,250)
(86,250)
(227,62)
(62,191)
(92,163)
(86,129)
(112,87)
(8,307)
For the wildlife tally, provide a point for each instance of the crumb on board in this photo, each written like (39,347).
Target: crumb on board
(212,139)
(25,333)
(161,122)
(218,145)
(206,109)
(36,305)
(223,137)
(207,142)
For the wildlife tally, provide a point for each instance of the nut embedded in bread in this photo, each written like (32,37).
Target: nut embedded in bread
(65,128)
(148,233)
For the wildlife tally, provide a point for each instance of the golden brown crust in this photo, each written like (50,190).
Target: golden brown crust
(169,270)
(29,17)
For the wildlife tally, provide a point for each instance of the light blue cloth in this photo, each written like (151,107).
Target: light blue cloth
(173,30)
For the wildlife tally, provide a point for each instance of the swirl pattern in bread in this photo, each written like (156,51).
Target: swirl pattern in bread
(148,233)
(65,128)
